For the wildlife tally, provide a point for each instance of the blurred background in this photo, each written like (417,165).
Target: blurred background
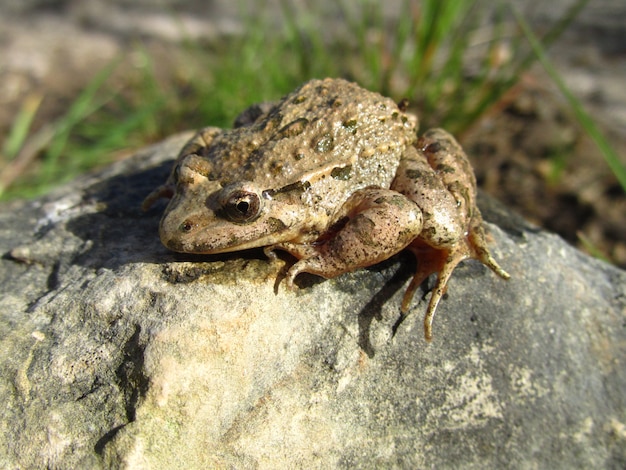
(534,90)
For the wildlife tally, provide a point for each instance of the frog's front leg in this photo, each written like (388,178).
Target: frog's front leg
(372,225)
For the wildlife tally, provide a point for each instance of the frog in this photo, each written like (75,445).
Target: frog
(337,177)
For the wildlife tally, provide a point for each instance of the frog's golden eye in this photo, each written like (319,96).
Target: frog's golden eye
(242,206)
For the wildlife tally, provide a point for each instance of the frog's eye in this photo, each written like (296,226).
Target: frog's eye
(242,206)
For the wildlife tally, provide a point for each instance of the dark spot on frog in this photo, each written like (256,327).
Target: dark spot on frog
(350,125)
(396,200)
(277,168)
(252,146)
(174,245)
(407,235)
(321,90)
(253,157)
(299,156)
(336,103)
(297,186)
(413,174)
(333,229)
(341,173)
(324,144)
(403,105)
(431,231)
(275,225)
(299,99)
(272,122)
(445,169)
(294,128)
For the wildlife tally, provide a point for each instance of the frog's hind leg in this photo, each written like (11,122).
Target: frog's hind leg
(443,262)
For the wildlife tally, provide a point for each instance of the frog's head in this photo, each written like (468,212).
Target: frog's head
(208,216)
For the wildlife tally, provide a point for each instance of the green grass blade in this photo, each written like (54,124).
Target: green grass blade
(85,104)
(21,126)
(422,54)
(609,154)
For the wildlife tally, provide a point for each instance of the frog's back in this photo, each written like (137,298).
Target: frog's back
(325,130)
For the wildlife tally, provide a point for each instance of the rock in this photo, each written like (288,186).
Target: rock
(118,353)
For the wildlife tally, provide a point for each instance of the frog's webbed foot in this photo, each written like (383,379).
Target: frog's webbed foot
(299,251)
(163,191)
(443,262)
(373,225)
(431,260)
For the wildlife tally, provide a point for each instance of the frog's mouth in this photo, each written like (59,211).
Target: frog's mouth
(221,236)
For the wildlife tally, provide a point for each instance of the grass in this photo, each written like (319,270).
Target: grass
(585,120)
(98,123)
(453,60)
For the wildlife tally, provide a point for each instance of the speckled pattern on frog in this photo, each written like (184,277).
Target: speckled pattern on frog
(335,175)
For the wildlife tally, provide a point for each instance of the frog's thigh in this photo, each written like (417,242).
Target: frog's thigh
(374,225)
(443,224)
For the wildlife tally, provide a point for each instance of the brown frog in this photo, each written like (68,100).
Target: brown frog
(336,176)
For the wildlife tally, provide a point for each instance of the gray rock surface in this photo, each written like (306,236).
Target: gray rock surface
(117,353)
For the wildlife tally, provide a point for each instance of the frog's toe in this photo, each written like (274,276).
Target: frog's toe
(290,277)
(308,260)
(492,264)
(270,252)
(418,278)
(164,191)
(435,297)
(431,260)
(477,243)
